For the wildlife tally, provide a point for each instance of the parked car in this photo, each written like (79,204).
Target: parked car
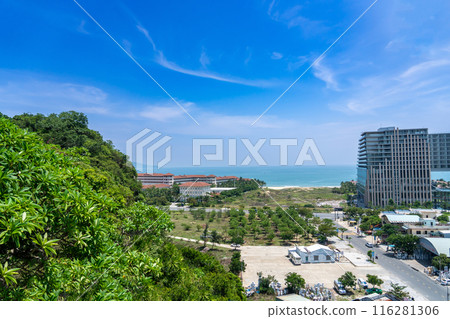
(362,283)
(445,282)
(369,245)
(374,290)
(339,287)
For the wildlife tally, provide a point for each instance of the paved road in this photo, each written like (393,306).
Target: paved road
(417,280)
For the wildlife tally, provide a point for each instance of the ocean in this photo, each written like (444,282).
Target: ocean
(306,176)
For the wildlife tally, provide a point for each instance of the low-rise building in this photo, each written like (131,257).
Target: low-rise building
(156,178)
(218,190)
(313,254)
(210,179)
(399,219)
(434,246)
(195,189)
(426,213)
(224,179)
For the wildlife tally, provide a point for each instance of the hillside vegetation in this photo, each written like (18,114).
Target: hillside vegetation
(70,130)
(69,229)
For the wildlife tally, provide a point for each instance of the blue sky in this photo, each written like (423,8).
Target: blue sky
(225,62)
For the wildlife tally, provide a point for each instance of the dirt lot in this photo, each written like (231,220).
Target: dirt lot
(272,260)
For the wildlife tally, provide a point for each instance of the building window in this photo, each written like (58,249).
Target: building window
(328,257)
(418,232)
(316,258)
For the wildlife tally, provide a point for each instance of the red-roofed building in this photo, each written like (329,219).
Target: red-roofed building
(210,179)
(224,179)
(156,178)
(195,189)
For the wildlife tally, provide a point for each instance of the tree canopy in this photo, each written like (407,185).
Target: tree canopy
(65,236)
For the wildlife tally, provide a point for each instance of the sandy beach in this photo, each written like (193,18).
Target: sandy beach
(299,187)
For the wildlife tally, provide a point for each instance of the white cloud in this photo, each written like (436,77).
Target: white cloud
(424,67)
(82,27)
(204,59)
(161,60)
(325,74)
(165,113)
(164,62)
(418,87)
(276,56)
(144,31)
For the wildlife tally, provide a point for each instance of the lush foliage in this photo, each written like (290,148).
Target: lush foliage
(161,196)
(398,291)
(265,284)
(440,261)
(70,129)
(237,265)
(63,237)
(348,279)
(294,282)
(404,243)
(374,280)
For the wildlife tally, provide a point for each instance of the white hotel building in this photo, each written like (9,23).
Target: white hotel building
(195,189)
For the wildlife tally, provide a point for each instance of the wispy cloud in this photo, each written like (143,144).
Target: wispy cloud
(55,96)
(82,27)
(161,59)
(164,113)
(204,59)
(292,17)
(276,56)
(423,67)
(418,87)
(325,74)
(144,31)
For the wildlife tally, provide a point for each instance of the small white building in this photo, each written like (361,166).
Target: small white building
(195,189)
(313,254)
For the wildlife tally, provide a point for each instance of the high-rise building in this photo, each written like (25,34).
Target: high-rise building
(440,151)
(394,164)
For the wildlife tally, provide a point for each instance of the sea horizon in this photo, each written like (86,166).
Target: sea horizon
(283,176)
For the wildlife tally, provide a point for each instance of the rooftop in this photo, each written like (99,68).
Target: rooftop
(437,245)
(398,219)
(308,249)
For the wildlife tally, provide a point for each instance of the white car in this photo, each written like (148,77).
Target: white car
(445,282)
(362,283)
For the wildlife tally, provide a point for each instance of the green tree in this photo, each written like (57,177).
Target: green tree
(327,228)
(370,254)
(348,279)
(270,236)
(64,236)
(404,243)
(443,219)
(237,265)
(205,236)
(440,261)
(294,282)
(215,237)
(374,280)
(398,291)
(342,230)
(264,284)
